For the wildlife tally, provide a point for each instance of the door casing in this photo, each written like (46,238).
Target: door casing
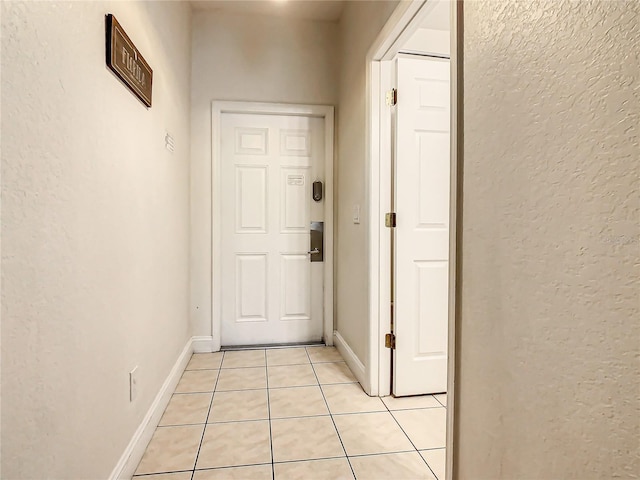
(218,108)
(396,31)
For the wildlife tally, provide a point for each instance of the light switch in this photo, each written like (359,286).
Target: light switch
(356,214)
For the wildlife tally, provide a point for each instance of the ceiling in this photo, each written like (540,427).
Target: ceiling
(322,10)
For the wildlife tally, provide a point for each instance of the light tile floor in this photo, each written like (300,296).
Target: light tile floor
(293,413)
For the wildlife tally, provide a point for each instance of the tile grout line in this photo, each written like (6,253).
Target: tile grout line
(153,474)
(213,393)
(297,417)
(411,441)
(411,409)
(266,373)
(331,415)
(242,465)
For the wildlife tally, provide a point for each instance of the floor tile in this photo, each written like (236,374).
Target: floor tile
(239,438)
(330,469)
(186,408)
(171,449)
(368,433)
(253,472)
(406,403)
(324,354)
(239,405)
(296,402)
(333,373)
(291,376)
(287,356)
(195,381)
(408,466)
(304,438)
(166,476)
(425,427)
(244,359)
(205,361)
(234,444)
(436,460)
(442,398)
(242,379)
(350,398)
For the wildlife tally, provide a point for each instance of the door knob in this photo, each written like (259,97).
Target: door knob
(313,252)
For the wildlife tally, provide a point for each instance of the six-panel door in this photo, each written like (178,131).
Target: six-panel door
(271,292)
(422,175)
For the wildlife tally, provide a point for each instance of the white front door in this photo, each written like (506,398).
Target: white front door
(422,170)
(271,291)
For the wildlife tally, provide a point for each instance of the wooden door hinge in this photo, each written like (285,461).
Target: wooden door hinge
(390,341)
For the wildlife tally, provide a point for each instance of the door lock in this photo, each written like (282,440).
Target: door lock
(316,242)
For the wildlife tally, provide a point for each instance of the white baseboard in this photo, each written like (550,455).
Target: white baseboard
(126,466)
(203,345)
(354,363)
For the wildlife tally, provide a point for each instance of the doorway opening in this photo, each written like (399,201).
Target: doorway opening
(272,179)
(422,38)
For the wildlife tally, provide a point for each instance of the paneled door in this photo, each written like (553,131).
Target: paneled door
(272,292)
(422,172)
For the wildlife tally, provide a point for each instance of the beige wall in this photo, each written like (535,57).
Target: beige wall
(360,24)
(250,58)
(95,226)
(549,330)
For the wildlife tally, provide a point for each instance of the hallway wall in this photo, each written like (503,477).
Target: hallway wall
(548,335)
(250,58)
(95,228)
(360,25)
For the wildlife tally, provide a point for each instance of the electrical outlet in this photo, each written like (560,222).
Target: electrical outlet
(133,384)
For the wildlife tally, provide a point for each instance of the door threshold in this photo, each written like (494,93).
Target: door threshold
(231,348)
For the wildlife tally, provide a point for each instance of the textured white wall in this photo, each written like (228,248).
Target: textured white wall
(95,226)
(360,24)
(250,58)
(549,328)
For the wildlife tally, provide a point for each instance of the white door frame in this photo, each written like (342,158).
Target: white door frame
(319,111)
(396,31)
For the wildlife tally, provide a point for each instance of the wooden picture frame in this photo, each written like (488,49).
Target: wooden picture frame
(124,59)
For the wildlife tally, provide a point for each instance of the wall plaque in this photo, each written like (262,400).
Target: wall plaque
(126,61)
